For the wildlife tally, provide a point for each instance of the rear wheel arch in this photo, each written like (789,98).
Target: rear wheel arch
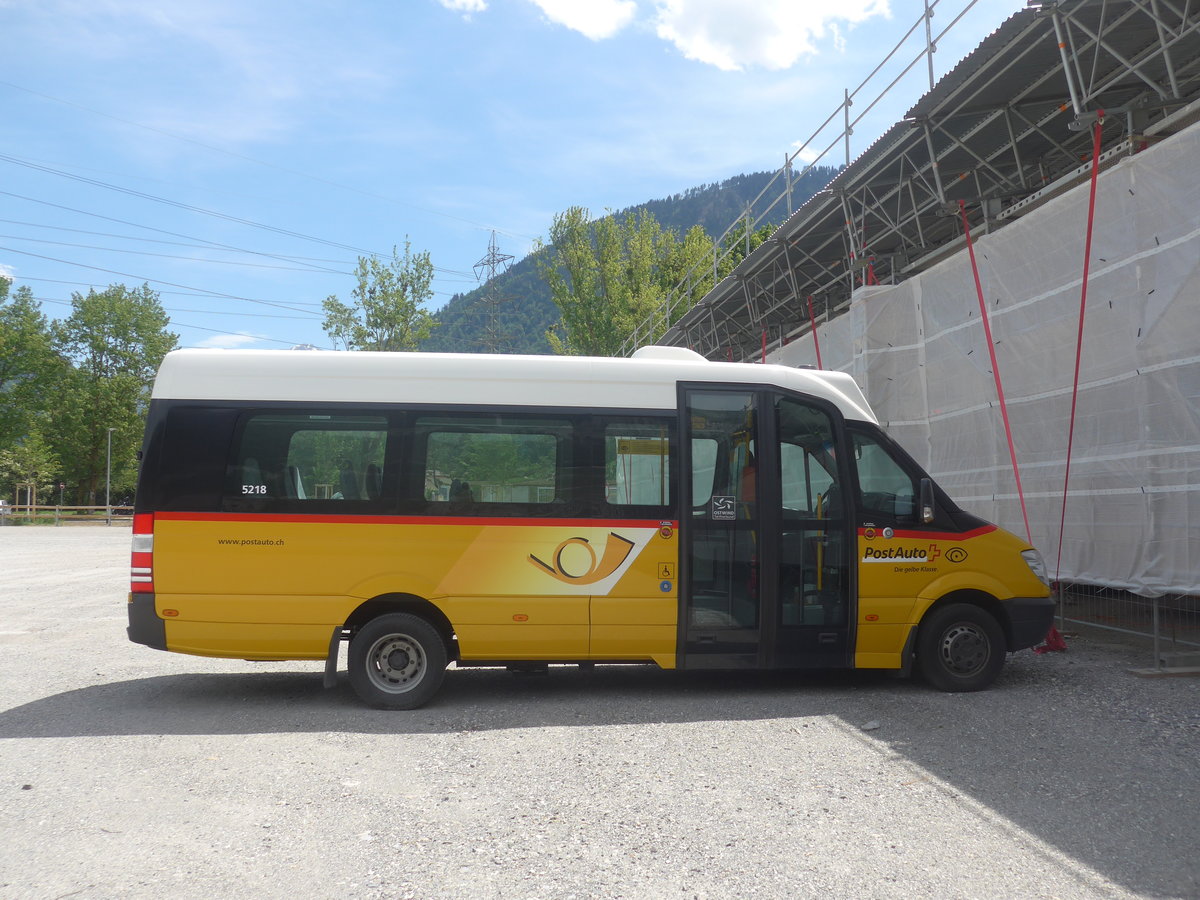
(404,603)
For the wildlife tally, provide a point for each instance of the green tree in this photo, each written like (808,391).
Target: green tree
(30,462)
(609,275)
(387,312)
(28,364)
(688,273)
(741,242)
(115,340)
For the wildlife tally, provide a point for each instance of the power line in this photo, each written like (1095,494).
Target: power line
(148,240)
(213,330)
(259,162)
(203,312)
(219,262)
(84,212)
(187,207)
(151,280)
(467,278)
(89,284)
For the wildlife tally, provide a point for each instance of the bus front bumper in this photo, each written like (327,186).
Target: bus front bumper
(1030,618)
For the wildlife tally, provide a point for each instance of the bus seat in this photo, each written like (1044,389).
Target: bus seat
(348,482)
(374,483)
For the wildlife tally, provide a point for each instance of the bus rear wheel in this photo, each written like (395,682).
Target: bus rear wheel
(397,661)
(960,648)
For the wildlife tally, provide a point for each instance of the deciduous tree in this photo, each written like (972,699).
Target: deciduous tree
(388,308)
(30,462)
(607,276)
(115,340)
(28,364)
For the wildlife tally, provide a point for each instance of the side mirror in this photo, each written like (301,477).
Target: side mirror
(926,500)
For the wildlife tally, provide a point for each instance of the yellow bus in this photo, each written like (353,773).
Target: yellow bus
(521,511)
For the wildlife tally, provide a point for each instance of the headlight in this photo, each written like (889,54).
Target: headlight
(1036,564)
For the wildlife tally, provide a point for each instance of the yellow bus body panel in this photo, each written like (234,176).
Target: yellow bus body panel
(902,574)
(275,588)
(248,641)
(259,588)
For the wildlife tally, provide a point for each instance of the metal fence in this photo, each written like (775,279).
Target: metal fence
(21,514)
(1170,621)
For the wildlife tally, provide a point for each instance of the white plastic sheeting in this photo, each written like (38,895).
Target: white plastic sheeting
(918,351)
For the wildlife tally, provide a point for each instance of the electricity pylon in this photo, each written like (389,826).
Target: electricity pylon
(494,340)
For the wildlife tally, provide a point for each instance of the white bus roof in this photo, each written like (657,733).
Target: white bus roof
(645,381)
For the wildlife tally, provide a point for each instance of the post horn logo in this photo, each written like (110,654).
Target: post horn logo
(585,568)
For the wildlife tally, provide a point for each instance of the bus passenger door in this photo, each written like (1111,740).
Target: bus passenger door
(720,519)
(813,619)
(766,551)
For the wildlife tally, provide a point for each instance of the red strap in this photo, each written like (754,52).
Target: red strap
(987,333)
(1087,258)
(813,327)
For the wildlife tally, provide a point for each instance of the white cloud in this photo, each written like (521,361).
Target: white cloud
(229,341)
(806,155)
(466,7)
(772,34)
(594,19)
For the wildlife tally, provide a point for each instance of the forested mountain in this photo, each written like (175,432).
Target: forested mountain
(523,310)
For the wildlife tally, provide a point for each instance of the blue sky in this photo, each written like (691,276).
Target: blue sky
(238,155)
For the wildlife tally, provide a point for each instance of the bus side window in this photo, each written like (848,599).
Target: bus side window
(886,491)
(296,458)
(256,470)
(704,472)
(637,463)
(470,461)
(805,481)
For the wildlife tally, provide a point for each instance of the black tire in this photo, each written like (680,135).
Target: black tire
(960,648)
(397,661)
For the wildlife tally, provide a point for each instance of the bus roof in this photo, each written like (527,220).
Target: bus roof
(645,381)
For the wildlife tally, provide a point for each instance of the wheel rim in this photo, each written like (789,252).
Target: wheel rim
(965,649)
(396,663)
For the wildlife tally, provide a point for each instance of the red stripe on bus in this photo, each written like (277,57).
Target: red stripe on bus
(315,519)
(933,535)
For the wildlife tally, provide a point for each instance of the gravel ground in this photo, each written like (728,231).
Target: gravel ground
(131,773)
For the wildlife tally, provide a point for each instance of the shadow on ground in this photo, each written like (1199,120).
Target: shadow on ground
(1043,749)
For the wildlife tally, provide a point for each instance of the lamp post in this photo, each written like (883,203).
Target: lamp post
(108,481)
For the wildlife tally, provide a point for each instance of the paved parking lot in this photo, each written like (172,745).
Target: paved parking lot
(128,772)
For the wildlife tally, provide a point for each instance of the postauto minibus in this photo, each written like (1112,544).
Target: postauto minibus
(431,509)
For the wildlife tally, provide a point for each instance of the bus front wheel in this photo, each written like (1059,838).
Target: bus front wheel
(397,661)
(960,648)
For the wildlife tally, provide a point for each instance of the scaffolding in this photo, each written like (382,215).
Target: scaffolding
(1004,131)
(870,275)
